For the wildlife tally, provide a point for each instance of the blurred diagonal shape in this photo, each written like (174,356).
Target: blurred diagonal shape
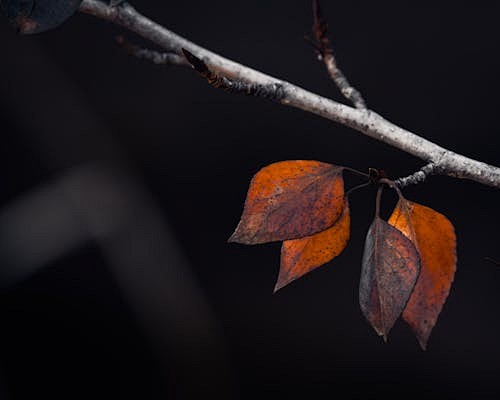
(107,203)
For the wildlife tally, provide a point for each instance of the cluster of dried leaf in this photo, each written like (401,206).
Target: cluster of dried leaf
(408,263)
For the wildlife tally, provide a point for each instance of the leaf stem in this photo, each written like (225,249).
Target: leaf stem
(353,189)
(390,183)
(377,201)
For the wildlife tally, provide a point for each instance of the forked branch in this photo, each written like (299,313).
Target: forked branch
(445,162)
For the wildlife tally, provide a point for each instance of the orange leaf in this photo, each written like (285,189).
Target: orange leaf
(434,237)
(389,272)
(300,256)
(291,200)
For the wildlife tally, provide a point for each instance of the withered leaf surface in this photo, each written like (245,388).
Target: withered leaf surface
(389,271)
(434,237)
(300,256)
(34,16)
(291,200)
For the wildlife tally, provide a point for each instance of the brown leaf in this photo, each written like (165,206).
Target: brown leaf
(291,200)
(300,256)
(389,271)
(434,237)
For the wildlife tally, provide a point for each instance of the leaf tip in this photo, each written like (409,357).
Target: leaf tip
(235,236)
(281,283)
(423,342)
(240,237)
(276,288)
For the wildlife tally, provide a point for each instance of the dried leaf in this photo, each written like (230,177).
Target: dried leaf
(389,271)
(34,16)
(291,200)
(300,256)
(434,237)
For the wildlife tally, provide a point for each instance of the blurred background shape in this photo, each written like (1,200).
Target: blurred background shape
(103,202)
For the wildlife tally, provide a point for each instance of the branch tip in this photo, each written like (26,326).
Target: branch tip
(324,51)
(320,26)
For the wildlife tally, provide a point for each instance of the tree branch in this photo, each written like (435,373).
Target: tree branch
(366,121)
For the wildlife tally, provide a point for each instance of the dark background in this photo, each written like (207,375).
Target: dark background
(121,181)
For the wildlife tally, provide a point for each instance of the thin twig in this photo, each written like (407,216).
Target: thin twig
(324,51)
(355,188)
(365,121)
(271,92)
(417,177)
(156,57)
